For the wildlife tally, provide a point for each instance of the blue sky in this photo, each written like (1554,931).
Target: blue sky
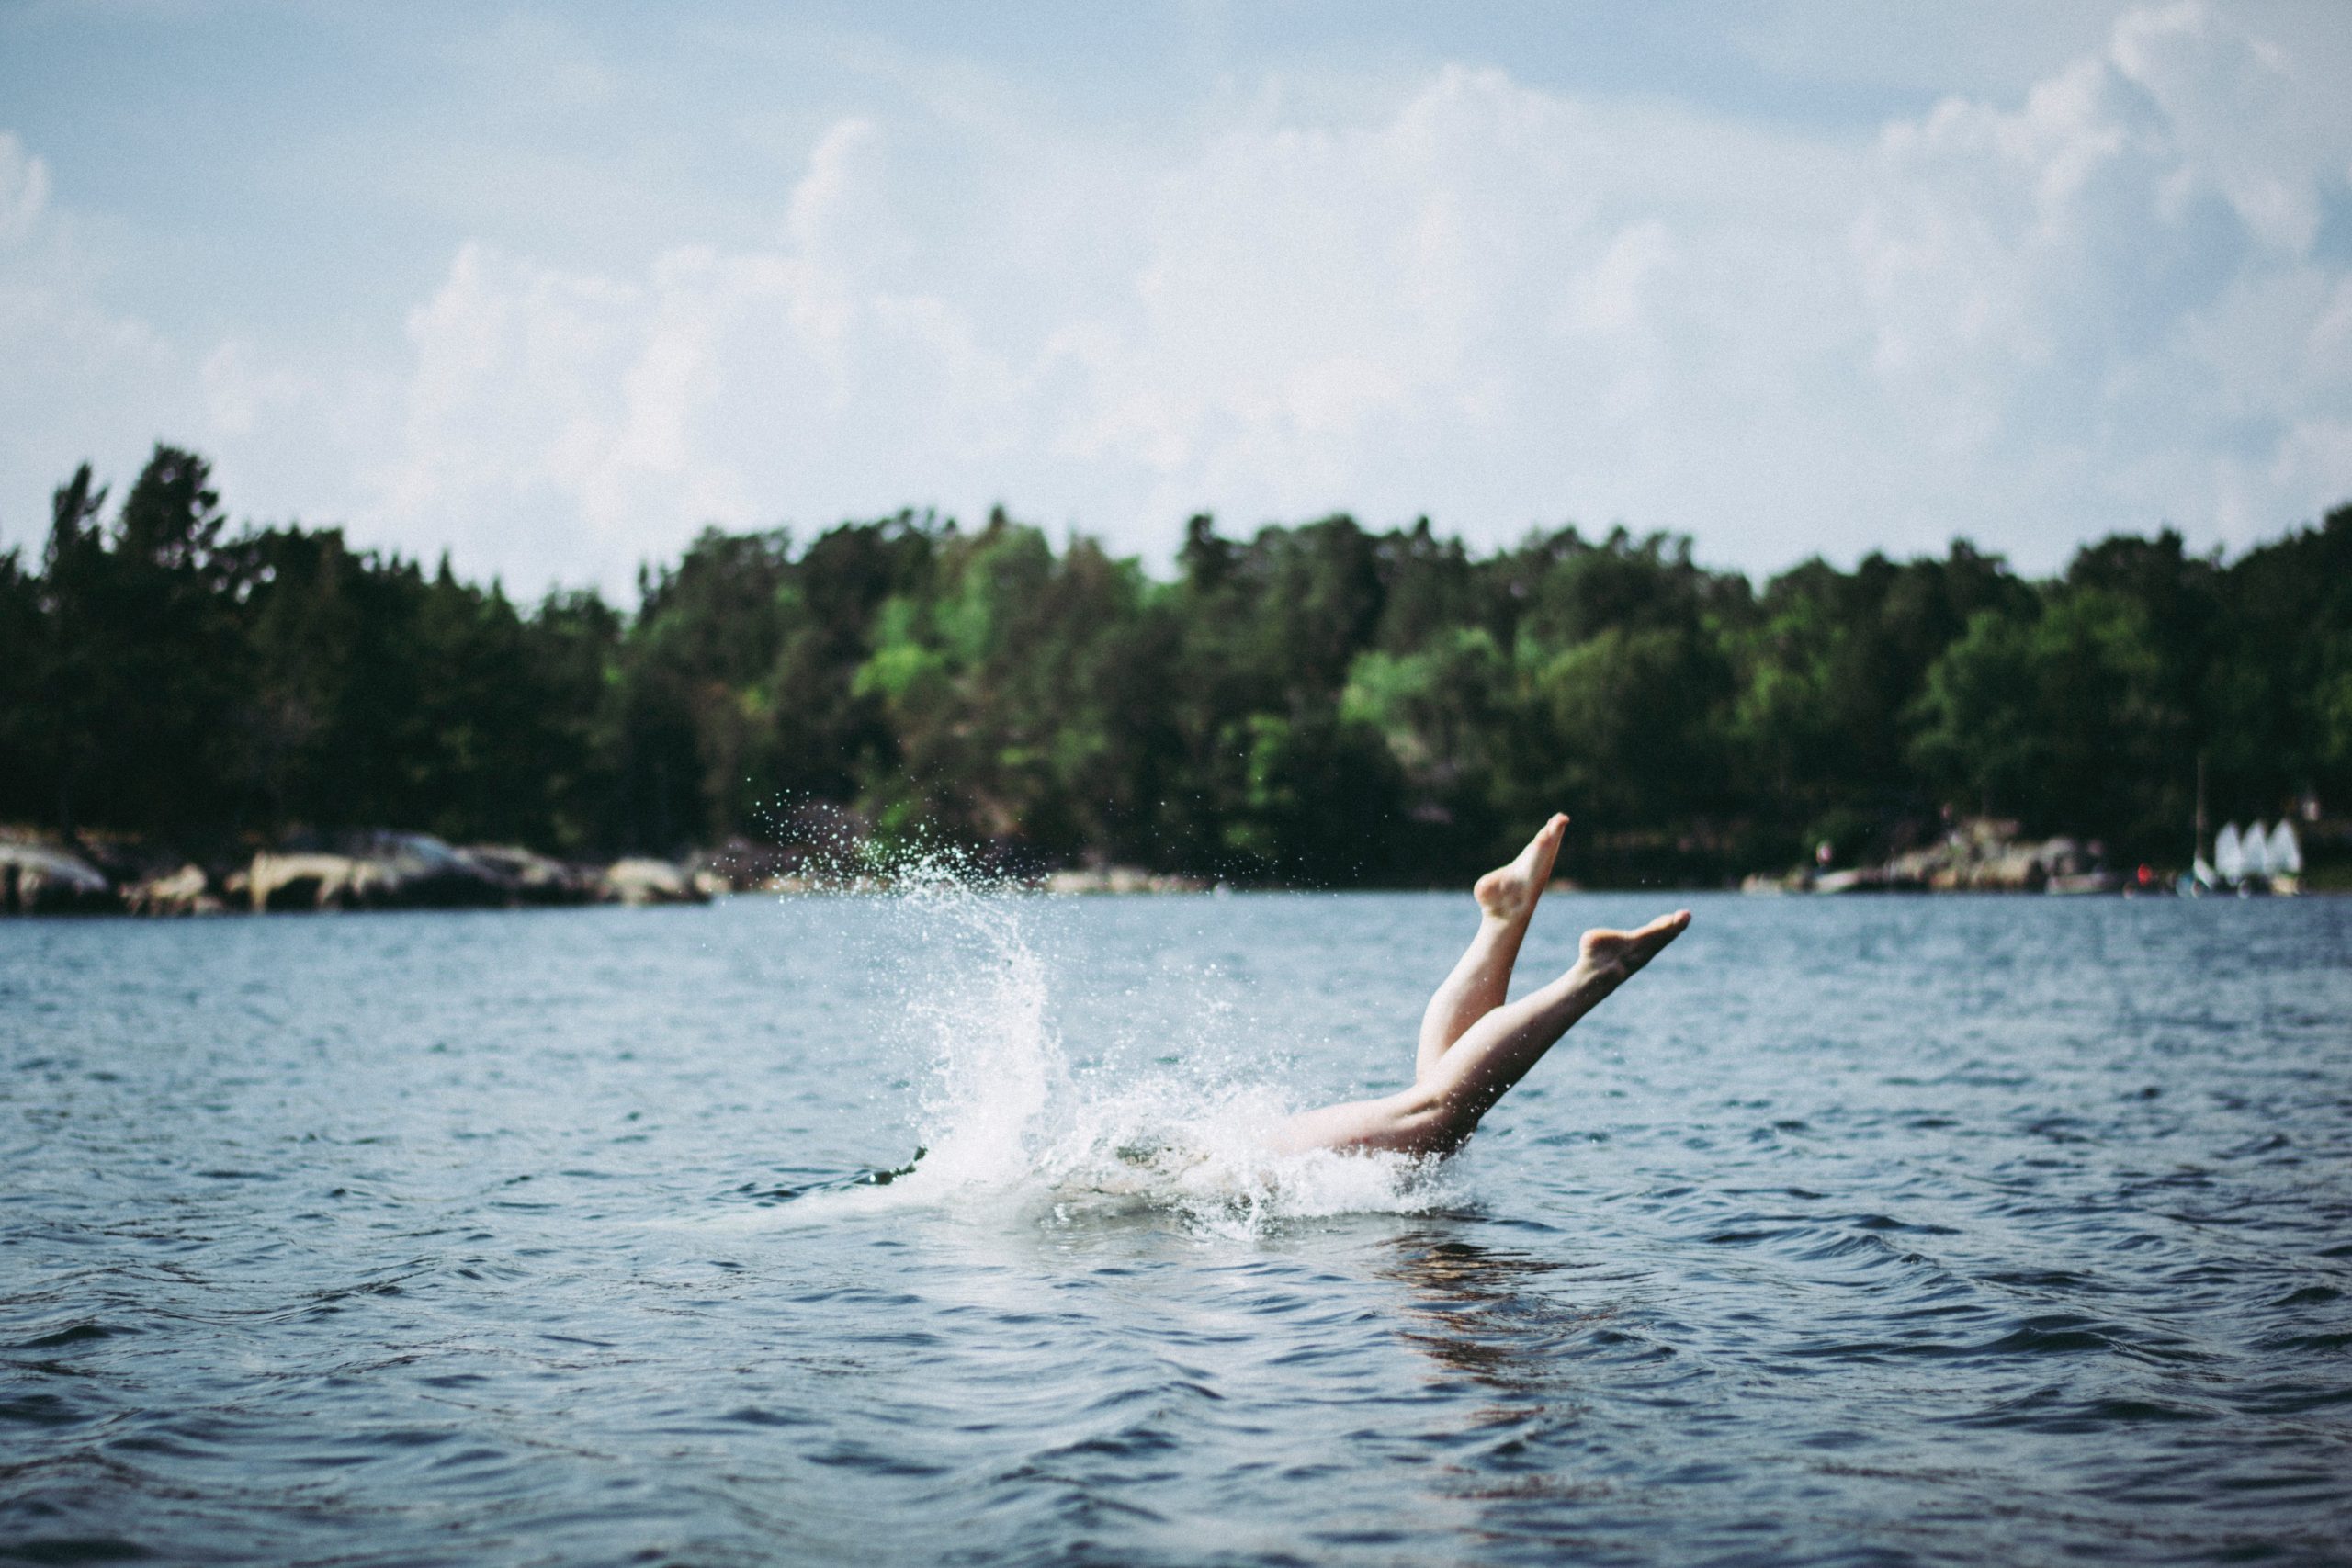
(550,287)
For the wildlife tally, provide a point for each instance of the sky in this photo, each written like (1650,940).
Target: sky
(550,288)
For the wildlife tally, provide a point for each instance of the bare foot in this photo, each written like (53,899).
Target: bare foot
(1611,957)
(1509,893)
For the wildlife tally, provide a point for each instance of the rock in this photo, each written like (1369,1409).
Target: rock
(1121,879)
(306,882)
(418,871)
(183,892)
(1983,855)
(533,879)
(639,881)
(1913,870)
(382,870)
(37,879)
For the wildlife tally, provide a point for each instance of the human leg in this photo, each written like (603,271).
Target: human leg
(1444,1105)
(1506,897)
(1496,1052)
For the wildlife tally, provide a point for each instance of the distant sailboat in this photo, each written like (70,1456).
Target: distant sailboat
(2254,854)
(2286,851)
(2254,859)
(2229,855)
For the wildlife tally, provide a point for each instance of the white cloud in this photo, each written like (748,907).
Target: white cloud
(1488,306)
(2099,303)
(2122,266)
(69,366)
(609,418)
(245,395)
(2245,120)
(83,381)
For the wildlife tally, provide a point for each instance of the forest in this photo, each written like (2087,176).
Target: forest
(1318,705)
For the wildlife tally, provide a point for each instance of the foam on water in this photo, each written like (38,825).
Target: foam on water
(1004,1120)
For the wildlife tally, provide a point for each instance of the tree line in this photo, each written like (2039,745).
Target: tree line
(1321,703)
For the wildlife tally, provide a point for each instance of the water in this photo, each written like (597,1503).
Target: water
(1879,1230)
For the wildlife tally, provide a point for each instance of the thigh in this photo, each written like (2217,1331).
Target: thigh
(1408,1122)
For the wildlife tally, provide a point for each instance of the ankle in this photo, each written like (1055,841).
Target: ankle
(1588,974)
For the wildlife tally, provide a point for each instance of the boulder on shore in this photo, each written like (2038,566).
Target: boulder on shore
(379,870)
(38,879)
(1121,879)
(183,892)
(643,881)
(280,882)
(533,879)
(1979,855)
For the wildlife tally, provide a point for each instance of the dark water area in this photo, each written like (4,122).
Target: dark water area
(1881,1229)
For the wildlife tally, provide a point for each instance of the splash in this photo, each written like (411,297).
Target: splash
(979,998)
(1005,1121)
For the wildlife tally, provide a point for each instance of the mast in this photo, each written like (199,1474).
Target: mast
(2196,847)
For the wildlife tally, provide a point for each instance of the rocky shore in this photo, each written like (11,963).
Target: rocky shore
(387,870)
(1978,855)
(378,870)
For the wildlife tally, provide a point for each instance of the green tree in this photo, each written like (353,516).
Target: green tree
(25,743)
(1828,668)
(147,662)
(2276,692)
(2059,719)
(76,664)
(1323,703)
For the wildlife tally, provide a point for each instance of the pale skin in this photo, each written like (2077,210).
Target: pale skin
(1474,1044)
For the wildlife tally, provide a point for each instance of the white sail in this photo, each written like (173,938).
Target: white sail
(2229,859)
(2286,851)
(2253,850)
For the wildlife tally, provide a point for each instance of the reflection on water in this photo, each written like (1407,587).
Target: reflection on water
(1994,1230)
(1483,1312)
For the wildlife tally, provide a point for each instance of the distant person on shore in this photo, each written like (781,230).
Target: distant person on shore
(1474,1044)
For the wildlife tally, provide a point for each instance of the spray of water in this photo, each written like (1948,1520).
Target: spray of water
(1004,1120)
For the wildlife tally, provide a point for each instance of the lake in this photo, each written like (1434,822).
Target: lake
(1873,1230)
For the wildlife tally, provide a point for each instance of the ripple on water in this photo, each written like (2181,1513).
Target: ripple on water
(1921,1231)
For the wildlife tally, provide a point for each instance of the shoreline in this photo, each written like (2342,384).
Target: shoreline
(384,869)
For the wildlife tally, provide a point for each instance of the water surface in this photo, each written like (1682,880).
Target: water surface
(1882,1230)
